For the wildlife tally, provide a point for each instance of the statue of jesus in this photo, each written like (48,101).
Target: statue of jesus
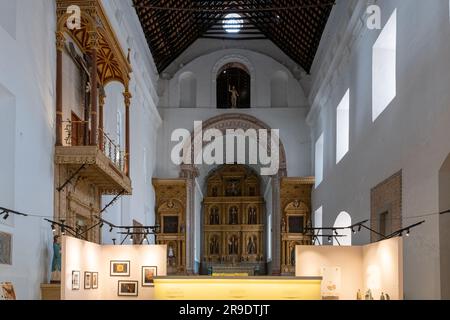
(234,96)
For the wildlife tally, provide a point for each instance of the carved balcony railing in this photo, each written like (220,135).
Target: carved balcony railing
(104,163)
(77,134)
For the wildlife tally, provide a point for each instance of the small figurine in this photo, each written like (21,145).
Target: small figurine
(388,297)
(359,295)
(382,297)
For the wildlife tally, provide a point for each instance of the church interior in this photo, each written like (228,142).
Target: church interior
(183,150)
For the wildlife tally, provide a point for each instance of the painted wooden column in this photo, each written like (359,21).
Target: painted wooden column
(127,96)
(101,104)
(94,38)
(60,41)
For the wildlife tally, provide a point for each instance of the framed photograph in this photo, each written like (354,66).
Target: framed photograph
(148,275)
(94,280)
(88,280)
(76,280)
(5,248)
(120,269)
(128,288)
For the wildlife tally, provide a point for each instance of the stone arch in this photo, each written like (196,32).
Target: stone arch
(234,121)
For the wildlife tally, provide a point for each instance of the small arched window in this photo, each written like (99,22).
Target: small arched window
(233,87)
(344,220)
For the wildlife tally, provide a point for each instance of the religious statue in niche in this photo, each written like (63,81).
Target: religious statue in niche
(56,262)
(233,189)
(252,219)
(171,255)
(214,246)
(251,247)
(233,219)
(214,217)
(233,245)
(214,191)
(293,254)
(283,224)
(234,96)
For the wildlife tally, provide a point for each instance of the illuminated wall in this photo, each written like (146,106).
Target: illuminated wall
(378,266)
(84,256)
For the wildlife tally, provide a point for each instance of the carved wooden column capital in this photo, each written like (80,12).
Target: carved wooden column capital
(60,40)
(127,98)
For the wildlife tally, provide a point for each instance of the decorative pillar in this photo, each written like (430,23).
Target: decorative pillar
(127,98)
(276,226)
(101,104)
(60,41)
(94,38)
(189,172)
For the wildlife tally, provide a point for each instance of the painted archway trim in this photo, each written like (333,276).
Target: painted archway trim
(225,122)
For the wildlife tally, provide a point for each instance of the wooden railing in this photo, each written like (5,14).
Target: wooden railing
(77,133)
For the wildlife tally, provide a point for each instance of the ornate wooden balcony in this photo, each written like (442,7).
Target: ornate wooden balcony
(103,164)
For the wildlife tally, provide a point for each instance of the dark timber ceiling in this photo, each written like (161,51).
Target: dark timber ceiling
(295,26)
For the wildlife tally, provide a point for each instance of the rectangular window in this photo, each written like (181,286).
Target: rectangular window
(384,56)
(319,160)
(318,224)
(343,127)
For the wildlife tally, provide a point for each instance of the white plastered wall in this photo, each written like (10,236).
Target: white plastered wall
(84,256)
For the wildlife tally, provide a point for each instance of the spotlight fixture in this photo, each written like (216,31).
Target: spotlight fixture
(110,228)
(6,216)
(329,239)
(101,225)
(359,228)
(400,234)
(114,241)
(336,232)
(407,233)
(53,228)
(353,231)
(63,230)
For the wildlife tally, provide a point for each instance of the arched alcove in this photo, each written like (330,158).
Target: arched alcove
(343,220)
(444,226)
(233,86)
(188,90)
(279,89)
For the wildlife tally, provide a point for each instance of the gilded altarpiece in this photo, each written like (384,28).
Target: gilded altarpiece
(171,217)
(295,200)
(233,222)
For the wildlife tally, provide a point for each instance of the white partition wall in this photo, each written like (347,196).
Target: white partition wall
(377,266)
(85,256)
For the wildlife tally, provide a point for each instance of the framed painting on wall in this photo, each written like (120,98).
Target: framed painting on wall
(5,248)
(120,269)
(76,280)
(7,291)
(94,280)
(331,283)
(88,280)
(148,275)
(128,288)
